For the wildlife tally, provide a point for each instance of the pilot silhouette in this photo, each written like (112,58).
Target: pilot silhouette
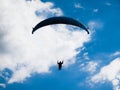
(60,65)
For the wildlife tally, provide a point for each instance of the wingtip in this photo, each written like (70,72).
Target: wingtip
(87,31)
(33,31)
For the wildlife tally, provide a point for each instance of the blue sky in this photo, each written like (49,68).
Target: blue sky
(91,63)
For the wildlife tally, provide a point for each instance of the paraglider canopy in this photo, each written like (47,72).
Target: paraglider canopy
(59,20)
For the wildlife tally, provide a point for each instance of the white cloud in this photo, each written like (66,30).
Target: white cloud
(117,53)
(110,73)
(95,10)
(85,55)
(77,5)
(2,85)
(108,4)
(26,53)
(89,67)
(48,10)
(95,24)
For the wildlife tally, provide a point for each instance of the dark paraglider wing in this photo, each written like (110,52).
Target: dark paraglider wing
(59,20)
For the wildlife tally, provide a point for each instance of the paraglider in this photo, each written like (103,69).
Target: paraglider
(59,20)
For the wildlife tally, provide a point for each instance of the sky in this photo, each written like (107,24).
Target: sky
(29,61)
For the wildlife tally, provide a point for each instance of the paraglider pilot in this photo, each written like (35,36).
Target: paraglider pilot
(60,65)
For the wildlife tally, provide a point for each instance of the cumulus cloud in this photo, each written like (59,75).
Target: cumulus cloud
(110,72)
(24,53)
